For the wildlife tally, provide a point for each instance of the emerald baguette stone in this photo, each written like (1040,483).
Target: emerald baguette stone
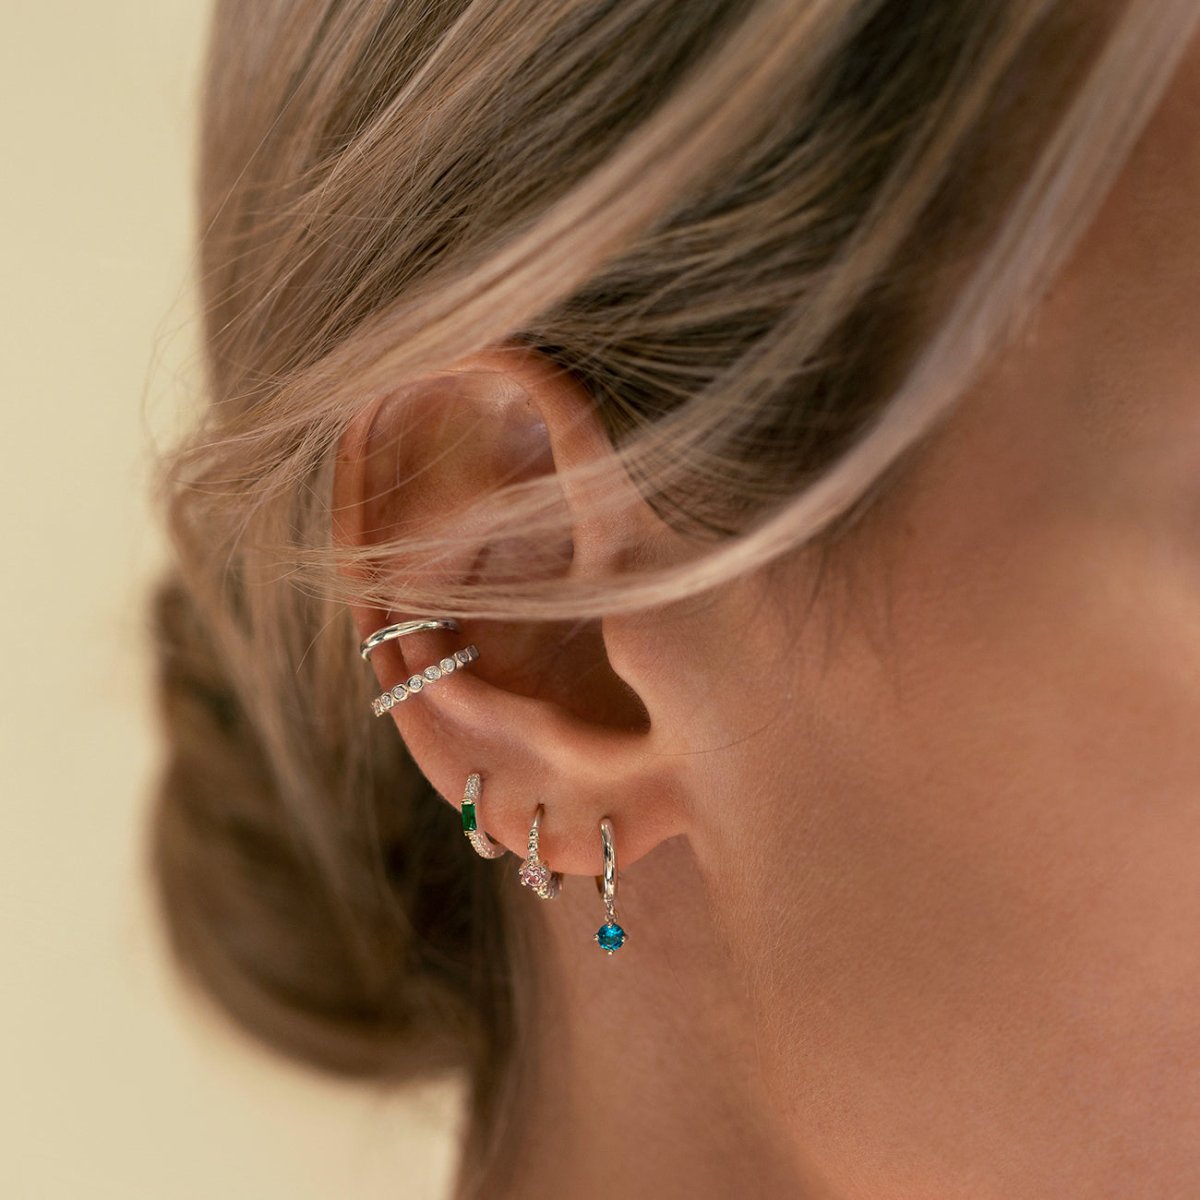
(468,817)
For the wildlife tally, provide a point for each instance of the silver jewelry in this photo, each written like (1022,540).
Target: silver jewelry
(417,683)
(533,872)
(388,632)
(484,846)
(610,937)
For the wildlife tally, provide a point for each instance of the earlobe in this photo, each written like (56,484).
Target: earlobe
(542,715)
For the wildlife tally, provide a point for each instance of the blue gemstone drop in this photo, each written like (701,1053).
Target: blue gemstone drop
(610,936)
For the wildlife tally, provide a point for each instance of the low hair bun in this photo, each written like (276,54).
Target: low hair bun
(361,959)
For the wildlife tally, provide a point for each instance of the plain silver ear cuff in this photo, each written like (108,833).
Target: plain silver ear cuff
(388,632)
(430,674)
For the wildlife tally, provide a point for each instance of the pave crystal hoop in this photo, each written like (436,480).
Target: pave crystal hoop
(484,846)
(388,632)
(418,682)
(610,937)
(533,872)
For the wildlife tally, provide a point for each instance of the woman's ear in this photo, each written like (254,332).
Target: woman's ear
(561,713)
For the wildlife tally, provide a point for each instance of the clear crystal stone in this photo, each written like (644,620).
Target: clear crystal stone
(447,665)
(461,657)
(386,701)
(432,673)
(415,684)
(399,692)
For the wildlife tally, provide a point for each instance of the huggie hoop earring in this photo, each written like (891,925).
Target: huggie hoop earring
(484,846)
(533,872)
(610,937)
(388,632)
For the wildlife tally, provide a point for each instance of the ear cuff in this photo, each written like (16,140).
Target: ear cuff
(415,684)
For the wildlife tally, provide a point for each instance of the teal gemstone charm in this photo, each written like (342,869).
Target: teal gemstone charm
(610,937)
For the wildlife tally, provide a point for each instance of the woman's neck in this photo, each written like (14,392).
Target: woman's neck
(641,1077)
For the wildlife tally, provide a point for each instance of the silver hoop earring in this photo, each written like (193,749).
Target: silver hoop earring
(388,632)
(417,683)
(610,937)
(484,846)
(533,872)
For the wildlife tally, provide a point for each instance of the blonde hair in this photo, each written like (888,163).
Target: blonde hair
(736,222)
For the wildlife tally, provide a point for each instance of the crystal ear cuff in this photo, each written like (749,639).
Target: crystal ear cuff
(431,674)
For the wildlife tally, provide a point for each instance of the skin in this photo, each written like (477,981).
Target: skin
(909,873)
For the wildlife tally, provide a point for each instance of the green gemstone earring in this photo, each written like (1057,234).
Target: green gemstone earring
(484,846)
(610,937)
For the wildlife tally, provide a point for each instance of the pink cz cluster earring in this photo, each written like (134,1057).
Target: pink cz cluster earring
(611,936)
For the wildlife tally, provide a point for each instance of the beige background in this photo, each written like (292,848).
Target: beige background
(112,1083)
